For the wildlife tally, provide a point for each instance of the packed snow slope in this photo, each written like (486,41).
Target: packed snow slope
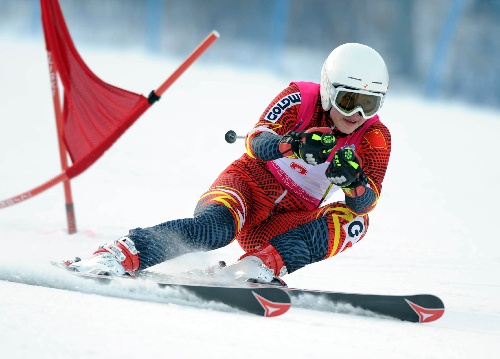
(433,231)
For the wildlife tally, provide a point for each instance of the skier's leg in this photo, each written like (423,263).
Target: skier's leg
(212,226)
(219,216)
(234,201)
(305,237)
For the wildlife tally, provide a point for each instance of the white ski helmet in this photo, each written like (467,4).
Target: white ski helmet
(353,66)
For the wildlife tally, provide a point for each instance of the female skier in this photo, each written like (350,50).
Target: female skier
(312,140)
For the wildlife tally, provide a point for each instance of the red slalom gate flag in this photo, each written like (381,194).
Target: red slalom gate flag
(94,114)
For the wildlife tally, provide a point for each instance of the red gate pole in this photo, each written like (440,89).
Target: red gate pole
(205,44)
(70,212)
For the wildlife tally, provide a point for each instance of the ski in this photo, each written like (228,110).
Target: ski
(262,301)
(419,308)
(416,308)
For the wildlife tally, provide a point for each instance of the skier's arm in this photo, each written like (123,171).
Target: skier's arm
(264,146)
(313,146)
(361,173)
(374,150)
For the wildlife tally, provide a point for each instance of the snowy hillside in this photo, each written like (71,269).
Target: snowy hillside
(433,231)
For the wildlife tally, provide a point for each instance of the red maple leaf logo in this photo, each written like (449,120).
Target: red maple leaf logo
(296,167)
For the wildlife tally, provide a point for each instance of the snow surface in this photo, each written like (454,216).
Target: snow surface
(433,231)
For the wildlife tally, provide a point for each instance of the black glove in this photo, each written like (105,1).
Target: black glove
(312,146)
(345,169)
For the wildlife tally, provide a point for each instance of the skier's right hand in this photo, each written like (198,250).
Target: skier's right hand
(312,146)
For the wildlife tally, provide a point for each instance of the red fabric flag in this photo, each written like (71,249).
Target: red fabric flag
(95,114)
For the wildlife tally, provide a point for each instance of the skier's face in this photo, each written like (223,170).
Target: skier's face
(346,124)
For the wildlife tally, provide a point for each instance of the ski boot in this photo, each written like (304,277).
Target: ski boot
(264,266)
(119,258)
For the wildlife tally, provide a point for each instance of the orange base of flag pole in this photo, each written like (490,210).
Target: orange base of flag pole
(70,208)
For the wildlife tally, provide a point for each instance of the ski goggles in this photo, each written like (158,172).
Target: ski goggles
(349,101)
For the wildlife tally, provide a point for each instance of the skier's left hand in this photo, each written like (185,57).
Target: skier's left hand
(345,169)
